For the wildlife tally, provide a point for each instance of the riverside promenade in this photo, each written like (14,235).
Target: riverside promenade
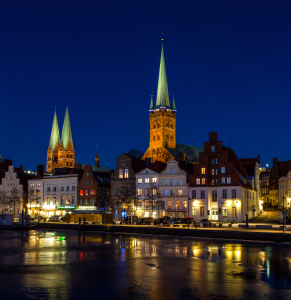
(232,233)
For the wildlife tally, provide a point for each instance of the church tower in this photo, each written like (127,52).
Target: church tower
(61,151)
(66,150)
(52,153)
(162,120)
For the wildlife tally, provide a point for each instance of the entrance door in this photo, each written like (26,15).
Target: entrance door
(214,214)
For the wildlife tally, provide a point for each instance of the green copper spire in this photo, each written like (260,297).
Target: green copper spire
(152,104)
(162,94)
(66,132)
(174,105)
(55,134)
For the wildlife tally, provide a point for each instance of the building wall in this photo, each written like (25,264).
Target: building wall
(35,196)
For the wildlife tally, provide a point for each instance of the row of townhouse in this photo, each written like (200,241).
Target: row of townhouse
(219,187)
(68,190)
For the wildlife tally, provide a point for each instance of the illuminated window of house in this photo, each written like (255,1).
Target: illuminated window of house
(154,180)
(179,192)
(62,199)
(172,193)
(139,203)
(194,212)
(120,173)
(154,192)
(197,181)
(203,181)
(184,204)
(67,199)
(224,211)
(147,203)
(169,204)
(147,180)
(54,200)
(86,192)
(125,173)
(177,204)
(81,192)
(202,170)
(146,192)
(92,192)
(37,192)
(154,203)
(139,180)
(47,200)
(139,192)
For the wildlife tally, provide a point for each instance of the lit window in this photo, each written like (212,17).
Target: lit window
(154,192)
(125,173)
(145,192)
(169,204)
(194,212)
(147,180)
(139,180)
(184,204)
(67,199)
(202,170)
(92,192)
(154,203)
(197,181)
(147,203)
(212,148)
(120,173)
(177,204)
(222,180)
(92,202)
(81,192)
(179,192)
(203,181)
(139,203)
(86,192)
(139,192)
(222,170)
(172,193)
(154,180)
(224,211)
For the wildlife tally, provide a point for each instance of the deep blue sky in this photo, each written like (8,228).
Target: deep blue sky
(228,64)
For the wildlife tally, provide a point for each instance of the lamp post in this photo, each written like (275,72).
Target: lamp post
(283,213)
(189,199)
(236,210)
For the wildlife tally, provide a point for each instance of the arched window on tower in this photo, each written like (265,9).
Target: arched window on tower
(171,125)
(167,124)
(155,124)
(171,137)
(158,138)
(154,137)
(167,136)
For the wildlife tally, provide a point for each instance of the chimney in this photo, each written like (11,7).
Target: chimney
(212,137)
(275,161)
(40,170)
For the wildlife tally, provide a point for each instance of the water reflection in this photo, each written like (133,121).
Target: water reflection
(57,262)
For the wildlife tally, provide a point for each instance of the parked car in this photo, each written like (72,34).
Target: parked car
(146,221)
(206,222)
(40,218)
(127,219)
(55,219)
(177,220)
(185,220)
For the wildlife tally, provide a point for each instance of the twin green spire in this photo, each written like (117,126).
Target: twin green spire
(162,93)
(66,132)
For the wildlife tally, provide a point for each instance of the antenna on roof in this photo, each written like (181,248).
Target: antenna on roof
(229,143)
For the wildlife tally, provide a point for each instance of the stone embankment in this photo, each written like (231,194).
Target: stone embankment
(183,232)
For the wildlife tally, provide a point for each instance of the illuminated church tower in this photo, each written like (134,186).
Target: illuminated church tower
(162,121)
(61,151)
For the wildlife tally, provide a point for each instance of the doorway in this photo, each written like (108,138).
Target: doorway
(214,213)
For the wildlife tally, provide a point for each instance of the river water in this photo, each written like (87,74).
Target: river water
(45,264)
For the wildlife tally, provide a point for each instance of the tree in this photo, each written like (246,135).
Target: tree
(188,154)
(153,195)
(33,197)
(135,153)
(125,196)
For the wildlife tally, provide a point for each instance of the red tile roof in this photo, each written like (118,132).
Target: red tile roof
(236,162)
(249,165)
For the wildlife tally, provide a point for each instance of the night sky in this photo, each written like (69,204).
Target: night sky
(228,64)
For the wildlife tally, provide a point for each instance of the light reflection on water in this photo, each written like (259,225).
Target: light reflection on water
(46,257)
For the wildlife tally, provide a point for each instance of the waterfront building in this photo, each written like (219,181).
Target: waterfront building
(285,191)
(94,190)
(265,185)
(163,146)
(219,186)
(61,151)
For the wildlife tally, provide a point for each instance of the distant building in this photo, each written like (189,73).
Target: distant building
(61,152)
(163,146)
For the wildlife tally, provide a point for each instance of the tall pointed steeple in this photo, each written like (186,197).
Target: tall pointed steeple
(174,105)
(66,132)
(55,134)
(162,94)
(97,163)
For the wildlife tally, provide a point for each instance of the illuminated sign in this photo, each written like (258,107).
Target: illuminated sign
(32,205)
(67,207)
(49,207)
(87,207)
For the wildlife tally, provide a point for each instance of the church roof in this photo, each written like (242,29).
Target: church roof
(191,152)
(55,134)
(162,93)
(66,132)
